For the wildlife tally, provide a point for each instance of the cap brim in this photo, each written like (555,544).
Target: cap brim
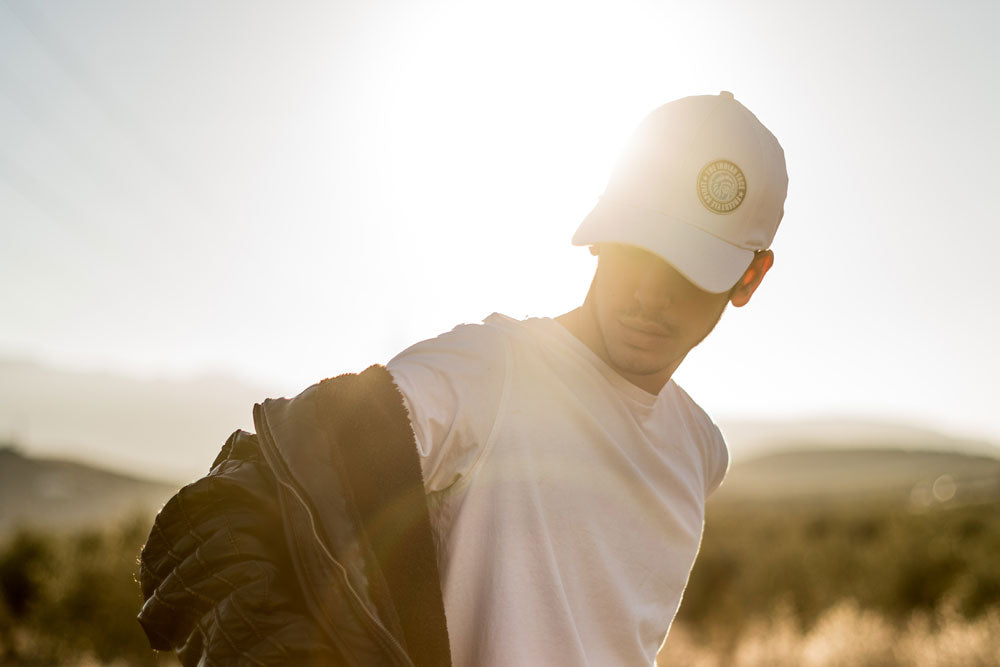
(710,263)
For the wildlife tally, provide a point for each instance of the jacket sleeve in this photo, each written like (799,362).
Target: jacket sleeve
(215,576)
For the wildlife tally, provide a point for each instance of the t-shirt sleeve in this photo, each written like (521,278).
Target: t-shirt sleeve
(717,459)
(714,453)
(453,387)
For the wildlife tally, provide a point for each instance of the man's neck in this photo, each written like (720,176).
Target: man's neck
(581,323)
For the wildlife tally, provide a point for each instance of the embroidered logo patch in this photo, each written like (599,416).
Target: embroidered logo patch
(721,186)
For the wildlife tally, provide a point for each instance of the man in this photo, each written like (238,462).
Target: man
(566,472)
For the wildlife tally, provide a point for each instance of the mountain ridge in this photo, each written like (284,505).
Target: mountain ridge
(918,478)
(59,494)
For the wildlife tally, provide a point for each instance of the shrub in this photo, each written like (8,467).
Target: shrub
(74,598)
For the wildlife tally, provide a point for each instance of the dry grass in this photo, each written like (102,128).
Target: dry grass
(847,635)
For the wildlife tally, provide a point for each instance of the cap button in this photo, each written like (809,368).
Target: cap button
(726,94)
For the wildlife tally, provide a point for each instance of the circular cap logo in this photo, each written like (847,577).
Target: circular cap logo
(721,186)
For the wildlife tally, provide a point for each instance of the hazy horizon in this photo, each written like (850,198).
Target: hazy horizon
(172,429)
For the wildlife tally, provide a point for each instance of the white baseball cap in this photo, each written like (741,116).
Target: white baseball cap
(702,184)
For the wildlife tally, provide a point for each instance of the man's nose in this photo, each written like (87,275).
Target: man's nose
(653,289)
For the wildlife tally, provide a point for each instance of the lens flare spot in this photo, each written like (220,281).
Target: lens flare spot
(944,488)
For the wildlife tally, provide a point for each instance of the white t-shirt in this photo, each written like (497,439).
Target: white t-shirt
(567,503)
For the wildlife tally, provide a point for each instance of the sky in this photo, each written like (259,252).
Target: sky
(287,191)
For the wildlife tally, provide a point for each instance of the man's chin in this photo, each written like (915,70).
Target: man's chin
(639,362)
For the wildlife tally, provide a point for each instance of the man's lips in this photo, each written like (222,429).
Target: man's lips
(645,327)
(643,334)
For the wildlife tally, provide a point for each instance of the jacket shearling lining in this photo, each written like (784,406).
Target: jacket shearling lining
(366,421)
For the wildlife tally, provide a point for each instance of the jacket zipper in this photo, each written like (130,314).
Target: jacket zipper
(381,632)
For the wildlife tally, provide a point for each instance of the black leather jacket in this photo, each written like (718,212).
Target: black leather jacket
(307,543)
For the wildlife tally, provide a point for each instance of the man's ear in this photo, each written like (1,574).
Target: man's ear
(595,249)
(762,262)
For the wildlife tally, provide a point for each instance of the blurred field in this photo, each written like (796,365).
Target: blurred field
(832,568)
(71,599)
(849,582)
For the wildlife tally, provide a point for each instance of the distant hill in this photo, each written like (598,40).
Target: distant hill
(57,494)
(919,478)
(54,494)
(167,428)
(173,428)
(749,439)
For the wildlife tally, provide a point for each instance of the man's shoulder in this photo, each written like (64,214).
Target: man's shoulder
(695,416)
(469,344)
(706,433)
